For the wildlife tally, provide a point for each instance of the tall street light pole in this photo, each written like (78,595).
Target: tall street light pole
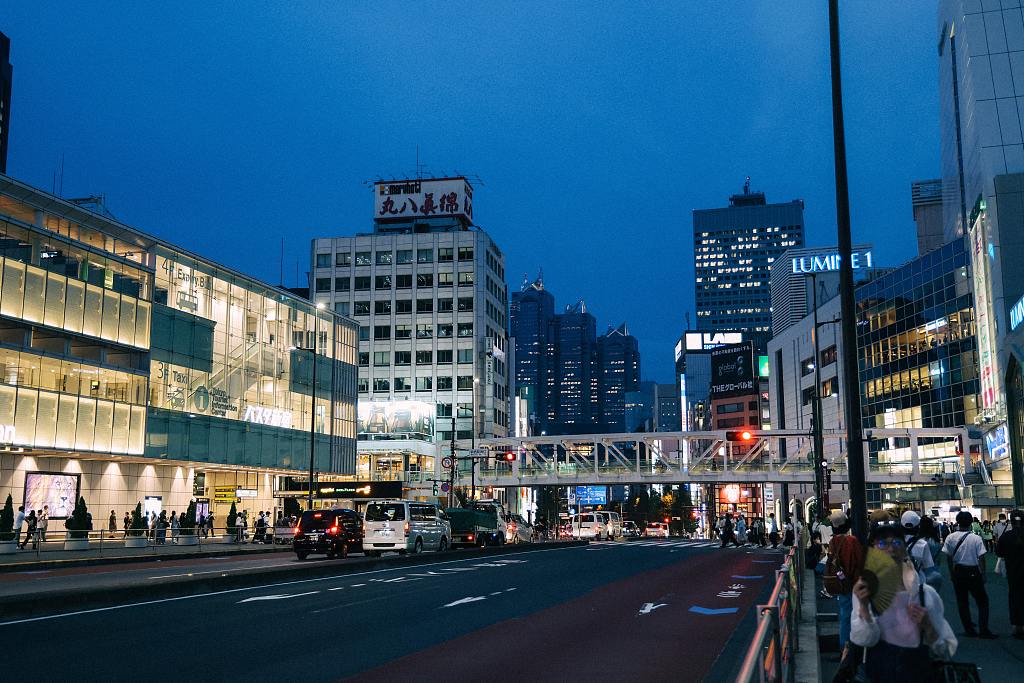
(819,441)
(312,418)
(851,377)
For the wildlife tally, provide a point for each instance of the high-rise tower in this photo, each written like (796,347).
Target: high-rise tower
(5,97)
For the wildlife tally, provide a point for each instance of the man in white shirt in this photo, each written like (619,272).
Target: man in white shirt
(773,530)
(19,521)
(965,556)
(999,527)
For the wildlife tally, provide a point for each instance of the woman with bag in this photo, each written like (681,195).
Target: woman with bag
(901,641)
(1010,550)
(986,535)
(842,569)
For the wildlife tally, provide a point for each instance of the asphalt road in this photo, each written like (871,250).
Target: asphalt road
(644,610)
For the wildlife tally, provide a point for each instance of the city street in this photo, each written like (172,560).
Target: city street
(652,609)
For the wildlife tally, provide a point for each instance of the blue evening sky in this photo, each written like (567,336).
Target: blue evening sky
(596,127)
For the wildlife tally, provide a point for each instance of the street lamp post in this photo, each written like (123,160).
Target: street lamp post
(312,417)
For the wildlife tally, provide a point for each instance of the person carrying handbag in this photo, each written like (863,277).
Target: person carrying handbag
(842,569)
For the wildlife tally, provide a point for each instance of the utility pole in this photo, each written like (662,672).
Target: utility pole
(851,373)
(819,441)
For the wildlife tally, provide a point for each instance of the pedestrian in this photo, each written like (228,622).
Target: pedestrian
(900,642)
(30,530)
(773,530)
(789,536)
(965,556)
(976,527)
(825,529)
(917,551)
(260,528)
(161,528)
(1011,548)
(112,523)
(999,527)
(845,559)
(986,535)
(127,523)
(44,522)
(720,527)
(727,531)
(741,530)
(209,524)
(175,527)
(19,521)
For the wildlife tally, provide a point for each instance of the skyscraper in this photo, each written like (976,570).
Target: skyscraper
(532,311)
(5,98)
(734,249)
(618,364)
(572,379)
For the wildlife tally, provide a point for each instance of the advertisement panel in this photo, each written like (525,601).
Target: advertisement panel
(705,341)
(423,198)
(395,420)
(982,306)
(732,371)
(56,490)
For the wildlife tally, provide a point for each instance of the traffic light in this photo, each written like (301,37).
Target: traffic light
(510,456)
(742,436)
(437,488)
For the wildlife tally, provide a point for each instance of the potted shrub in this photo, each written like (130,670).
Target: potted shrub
(187,526)
(78,526)
(136,537)
(7,544)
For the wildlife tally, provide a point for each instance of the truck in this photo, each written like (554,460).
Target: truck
(472,527)
(496,508)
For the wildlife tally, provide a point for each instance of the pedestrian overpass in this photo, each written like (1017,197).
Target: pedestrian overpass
(891,456)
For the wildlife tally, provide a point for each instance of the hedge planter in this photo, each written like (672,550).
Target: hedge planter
(225,538)
(8,547)
(188,540)
(135,542)
(76,544)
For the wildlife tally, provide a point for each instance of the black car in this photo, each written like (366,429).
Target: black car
(331,532)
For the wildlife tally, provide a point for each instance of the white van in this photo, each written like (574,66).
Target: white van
(589,525)
(613,522)
(404,526)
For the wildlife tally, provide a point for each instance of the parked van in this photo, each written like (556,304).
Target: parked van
(614,523)
(589,525)
(404,526)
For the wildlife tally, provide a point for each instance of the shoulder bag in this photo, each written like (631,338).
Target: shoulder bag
(837,581)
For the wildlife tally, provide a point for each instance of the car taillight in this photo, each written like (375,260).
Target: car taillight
(470,537)
(407,528)
(334,529)
(297,530)
(509,527)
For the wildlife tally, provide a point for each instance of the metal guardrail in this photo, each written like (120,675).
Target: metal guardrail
(771,656)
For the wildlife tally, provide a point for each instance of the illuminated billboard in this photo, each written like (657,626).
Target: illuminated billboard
(732,371)
(423,198)
(705,341)
(56,490)
(395,420)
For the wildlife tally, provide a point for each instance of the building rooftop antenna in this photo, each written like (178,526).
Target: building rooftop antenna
(96,204)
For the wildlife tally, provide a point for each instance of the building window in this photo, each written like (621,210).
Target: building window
(364,332)
(383,258)
(424,357)
(403,281)
(341,307)
(343,258)
(445,383)
(364,358)
(444,356)
(382,358)
(424,305)
(425,256)
(829,387)
(444,409)
(465,355)
(362,307)
(465,304)
(403,358)
(465,279)
(362,284)
(323,260)
(403,256)
(464,434)
(444,255)
(444,305)
(403,331)
(465,329)
(425,280)
(423,384)
(444,330)
(444,279)
(364,385)
(829,356)
(341,284)
(401,384)
(382,307)
(323,284)
(382,282)
(403,305)
(362,258)
(465,253)
(465,409)
(806,367)
(424,331)
(807,395)
(381,385)
(382,332)
(730,408)
(731,422)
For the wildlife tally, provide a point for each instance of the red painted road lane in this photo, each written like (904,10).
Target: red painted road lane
(601,636)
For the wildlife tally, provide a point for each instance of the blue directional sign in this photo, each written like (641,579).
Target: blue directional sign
(591,495)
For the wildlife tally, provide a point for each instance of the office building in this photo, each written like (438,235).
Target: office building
(427,289)
(666,408)
(980,67)
(734,250)
(531,313)
(618,368)
(926,198)
(573,379)
(136,371)
(5,98)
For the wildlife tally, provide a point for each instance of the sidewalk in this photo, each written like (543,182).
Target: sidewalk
(997,660)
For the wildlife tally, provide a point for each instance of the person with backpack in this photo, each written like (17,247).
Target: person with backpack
(842,570)
(918,552)
(965,556)
(30,529)
(1011,548)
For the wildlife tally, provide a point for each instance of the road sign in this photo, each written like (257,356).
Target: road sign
(572,496)
(445,486)
(446,462)
(479,453)
(572,511)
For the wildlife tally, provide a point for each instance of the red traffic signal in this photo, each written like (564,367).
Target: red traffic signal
(743,436)
(510,456)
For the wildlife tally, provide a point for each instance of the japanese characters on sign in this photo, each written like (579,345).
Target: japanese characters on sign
(982,306)
(423,198)
(732,371)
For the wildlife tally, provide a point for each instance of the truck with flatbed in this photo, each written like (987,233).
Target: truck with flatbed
(472,527)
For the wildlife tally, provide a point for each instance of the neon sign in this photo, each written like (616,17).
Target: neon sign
(827,262)
(1016,314)
(268,416)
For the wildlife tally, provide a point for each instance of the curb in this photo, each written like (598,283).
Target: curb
(15,567)
(53,603)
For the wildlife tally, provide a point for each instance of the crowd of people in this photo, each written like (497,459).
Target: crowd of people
(739,530)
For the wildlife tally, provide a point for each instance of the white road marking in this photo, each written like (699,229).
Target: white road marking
(650,607)
(220,571)
(276,597)
(496,593)
(337,589)
(357,585)
(463,601)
